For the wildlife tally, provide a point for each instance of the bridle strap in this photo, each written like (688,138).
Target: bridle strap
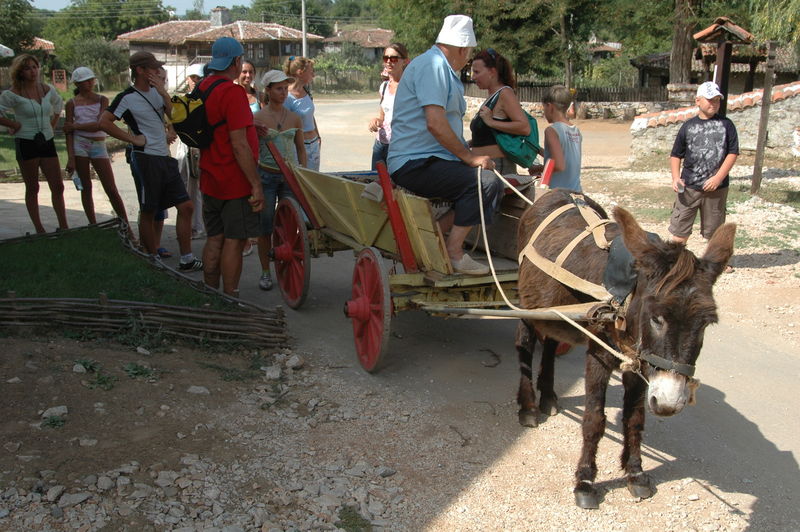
(687,370)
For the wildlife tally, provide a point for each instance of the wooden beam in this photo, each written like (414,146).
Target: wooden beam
(766,100)
(723,73)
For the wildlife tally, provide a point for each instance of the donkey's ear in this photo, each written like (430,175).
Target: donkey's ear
(635,238)
(719,250)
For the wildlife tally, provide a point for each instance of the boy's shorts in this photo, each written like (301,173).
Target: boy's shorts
(233,218)
(159,181)
(712,212)
(275,188)
(88,147)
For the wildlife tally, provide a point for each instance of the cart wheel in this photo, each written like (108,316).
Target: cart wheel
(370,309)
(290,249)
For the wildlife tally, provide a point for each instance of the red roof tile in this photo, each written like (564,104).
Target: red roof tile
(370,38)
(178,32)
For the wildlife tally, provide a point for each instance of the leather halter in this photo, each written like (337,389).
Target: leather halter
(687,370)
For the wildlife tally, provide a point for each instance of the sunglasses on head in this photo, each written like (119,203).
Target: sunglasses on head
(391,58)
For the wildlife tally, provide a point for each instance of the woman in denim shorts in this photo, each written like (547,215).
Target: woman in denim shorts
(86,144)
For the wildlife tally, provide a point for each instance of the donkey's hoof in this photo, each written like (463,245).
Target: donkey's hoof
(640,487)
(548,405)
(586,496)
(529,418)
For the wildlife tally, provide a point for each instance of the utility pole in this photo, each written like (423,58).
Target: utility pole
(766,100)
(303,17)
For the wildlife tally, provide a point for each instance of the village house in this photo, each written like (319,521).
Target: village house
(372,41)
(180,43)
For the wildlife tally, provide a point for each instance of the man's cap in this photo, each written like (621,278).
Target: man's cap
(145,60)
(274,76)
(457,31)
(195,70)
(708,90)
(223,52)
(82,74)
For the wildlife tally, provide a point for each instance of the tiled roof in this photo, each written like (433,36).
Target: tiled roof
(786,59)
(723,27)
(42,44)
(371,38)
(736,102)
(178,32)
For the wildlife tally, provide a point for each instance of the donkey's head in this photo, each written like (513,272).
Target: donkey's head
(671,308)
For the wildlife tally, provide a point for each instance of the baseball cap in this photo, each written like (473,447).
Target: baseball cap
(144,59)
(223,52)
(457,31)
(82,74)
(274,76)
(195,70)
(708,90)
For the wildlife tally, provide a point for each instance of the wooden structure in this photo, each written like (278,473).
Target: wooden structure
(331,212)
(724,34)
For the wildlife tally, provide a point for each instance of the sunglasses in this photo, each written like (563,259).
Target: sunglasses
(391,58)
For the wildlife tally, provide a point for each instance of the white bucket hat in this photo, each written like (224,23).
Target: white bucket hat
(82,74)
(274,76)
(708,90)
(457,31)
(195,70)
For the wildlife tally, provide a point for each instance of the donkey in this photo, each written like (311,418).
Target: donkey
(668,311)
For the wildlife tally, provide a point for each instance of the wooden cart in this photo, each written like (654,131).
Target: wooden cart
(329,214)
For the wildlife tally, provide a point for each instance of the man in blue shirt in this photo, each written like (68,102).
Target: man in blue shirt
(428,154)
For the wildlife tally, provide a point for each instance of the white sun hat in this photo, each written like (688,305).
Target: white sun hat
(82,74)
(457,31)
(195,70)
(708,90)
(274,76)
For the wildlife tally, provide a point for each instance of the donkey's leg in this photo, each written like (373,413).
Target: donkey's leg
(525,342)
(632,426)
(548,401)
(598,372)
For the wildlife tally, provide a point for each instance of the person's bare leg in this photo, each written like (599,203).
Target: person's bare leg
(455,241)
(231,265)
(158,228)
(106,175)
(30,175)
(82,167)
(212,254)
(446,221)
(264,247)
(147,231)
(52,171)
(183,226)
(679,239)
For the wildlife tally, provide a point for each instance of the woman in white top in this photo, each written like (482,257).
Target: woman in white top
(395,59)
(300,102)
(36,107)
(86,144)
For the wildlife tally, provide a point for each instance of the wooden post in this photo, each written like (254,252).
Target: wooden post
(766,100)
(723,73)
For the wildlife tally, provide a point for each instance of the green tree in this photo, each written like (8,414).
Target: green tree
(776,20)
(288,14)
(104,58)
(89,19)
(17,29)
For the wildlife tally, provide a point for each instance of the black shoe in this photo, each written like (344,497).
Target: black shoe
(193,266)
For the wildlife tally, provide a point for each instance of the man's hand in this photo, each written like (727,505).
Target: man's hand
(256,199)
(374,124)
(70,165)
(484,161)
(712,183)
(139,141)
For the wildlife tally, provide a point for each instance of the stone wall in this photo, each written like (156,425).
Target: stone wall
(654,133)
(617,110)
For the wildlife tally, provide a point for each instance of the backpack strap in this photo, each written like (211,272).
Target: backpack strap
(160,115)
(494,98)
(206,93)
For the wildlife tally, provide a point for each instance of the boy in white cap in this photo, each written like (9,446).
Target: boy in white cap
(428,154)
(708,146)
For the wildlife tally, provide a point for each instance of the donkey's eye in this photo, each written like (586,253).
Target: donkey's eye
(657,322)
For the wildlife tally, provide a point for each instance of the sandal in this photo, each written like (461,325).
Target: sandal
(163,253)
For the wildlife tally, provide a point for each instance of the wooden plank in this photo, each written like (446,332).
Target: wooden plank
(426,238)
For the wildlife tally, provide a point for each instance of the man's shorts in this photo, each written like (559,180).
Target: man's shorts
(712,212)
(89,147)
(453,181)
(158,180)
(233,218)
(27,149)
(275,187)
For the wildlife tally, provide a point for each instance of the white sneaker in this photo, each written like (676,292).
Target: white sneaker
(468,266)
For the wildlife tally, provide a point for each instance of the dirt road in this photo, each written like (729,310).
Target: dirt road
(430,443)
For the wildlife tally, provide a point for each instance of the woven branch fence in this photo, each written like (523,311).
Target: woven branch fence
(250,325)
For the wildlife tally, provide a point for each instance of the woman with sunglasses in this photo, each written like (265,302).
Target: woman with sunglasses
(395,59)
(501,110)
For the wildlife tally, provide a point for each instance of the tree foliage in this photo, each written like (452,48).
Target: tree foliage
(17,29)
(104,58)
(776,20)
(288,14)
(91,19)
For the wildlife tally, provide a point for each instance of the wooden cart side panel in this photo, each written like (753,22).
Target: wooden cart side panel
(423,231)
(338,205)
